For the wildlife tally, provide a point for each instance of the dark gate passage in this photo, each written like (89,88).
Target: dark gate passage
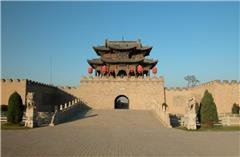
(121,102)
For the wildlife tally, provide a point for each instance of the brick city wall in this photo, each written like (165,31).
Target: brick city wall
(101,93)
(46,95)
(225,93)
(8,86)
(142,93)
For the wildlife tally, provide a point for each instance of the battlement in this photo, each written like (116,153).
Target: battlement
(228,82)
(205,85)
(13,80)
(119,79)
(36,83)
(217,82)
(67,87)
(176,88)
(26,82)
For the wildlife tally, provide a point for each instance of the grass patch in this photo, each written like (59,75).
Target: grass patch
(215,128)
(221,128)
(10,126)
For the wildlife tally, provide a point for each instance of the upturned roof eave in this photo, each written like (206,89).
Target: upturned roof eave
(95,61)
(150,61)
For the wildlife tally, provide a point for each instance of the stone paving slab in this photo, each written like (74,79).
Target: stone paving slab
(117,133)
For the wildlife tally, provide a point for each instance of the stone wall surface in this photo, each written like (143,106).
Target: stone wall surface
(142,93)
(100,93)
(46,95)
(8,86)
(225,93)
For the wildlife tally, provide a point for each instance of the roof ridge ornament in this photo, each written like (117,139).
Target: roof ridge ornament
(106,42)
(139,41)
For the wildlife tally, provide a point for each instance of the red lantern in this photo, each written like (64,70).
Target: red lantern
(90,70)
(104,69)
(154,70)
(139,69)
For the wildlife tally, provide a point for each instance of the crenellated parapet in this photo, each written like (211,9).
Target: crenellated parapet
(228,82)
(205,85)
(67,87)
(218,82)
(13,80)
(119,79)
(176,89)
(40,84)
(26,81)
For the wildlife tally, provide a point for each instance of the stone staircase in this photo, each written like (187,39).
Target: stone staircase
(66,112)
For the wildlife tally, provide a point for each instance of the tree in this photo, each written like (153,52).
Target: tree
(208,110)
(191,80)
(235,108)
(15,108)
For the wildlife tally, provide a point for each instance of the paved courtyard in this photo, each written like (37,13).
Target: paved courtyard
(117,133)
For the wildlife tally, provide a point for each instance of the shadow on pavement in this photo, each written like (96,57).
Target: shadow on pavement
(82,113)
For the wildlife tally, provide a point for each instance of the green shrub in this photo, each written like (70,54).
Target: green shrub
(235,108)
(208,110)
(15,108)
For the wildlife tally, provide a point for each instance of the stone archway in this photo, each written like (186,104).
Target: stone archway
(121,102)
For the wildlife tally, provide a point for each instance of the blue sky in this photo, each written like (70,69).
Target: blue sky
(200,38)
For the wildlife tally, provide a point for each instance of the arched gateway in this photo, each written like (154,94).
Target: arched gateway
(121,102)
